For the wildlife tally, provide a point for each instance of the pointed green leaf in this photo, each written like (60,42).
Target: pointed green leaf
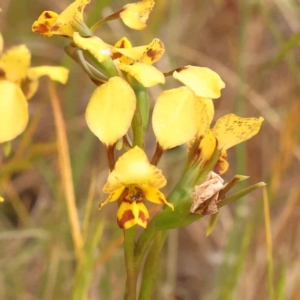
(240,194)
(212,222)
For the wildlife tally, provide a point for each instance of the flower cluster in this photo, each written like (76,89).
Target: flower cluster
(120,102)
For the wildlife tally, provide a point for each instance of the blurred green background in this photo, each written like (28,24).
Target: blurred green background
(254,46)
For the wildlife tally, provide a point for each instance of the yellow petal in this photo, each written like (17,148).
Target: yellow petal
(153,52)
(209,109)
(207,146)
(205,111)
(128,55)
(154,195)
(115,195)
(44,23)
(15,63)
(175,117)
(203,81)
(132,213)
(55,73)
(147,54)
(13,111)
(110,110)
(30,87)
(222,164)
(135,15)
(143,215)
(99,49)
(231,130)
(118,53)
(1,199)
(50,23)
(133,168)
(147,75)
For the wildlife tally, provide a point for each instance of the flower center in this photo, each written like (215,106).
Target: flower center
(133,193)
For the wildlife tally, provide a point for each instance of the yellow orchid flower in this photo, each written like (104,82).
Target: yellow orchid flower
(135,61)
(132,181)
(110,110)
(18,83)
(15,67)
(203,81)
(135,15)
(70,20)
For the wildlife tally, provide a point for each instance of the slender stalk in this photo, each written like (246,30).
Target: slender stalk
(141,115)
(66,171)
(157,155)
(143,242)
(129,244)
(138,132)
(151,266)
(16,202)
(269,243)
(94,73)
(107,19)
(89,205)
(110,157)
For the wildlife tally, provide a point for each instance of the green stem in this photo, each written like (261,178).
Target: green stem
(110,157)
(157,155)
(138,132)
(143,242)
(129,244)
(151,266)
(141,115)
(110,67)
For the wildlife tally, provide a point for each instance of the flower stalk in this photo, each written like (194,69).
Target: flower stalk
(151,267)
(131,280)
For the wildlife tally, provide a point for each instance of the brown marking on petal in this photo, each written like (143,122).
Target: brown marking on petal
(127,215)
(154,54)
(180,69)
(143,217)
(41,28)
(161,200)
(2,73)
(122,44)
(47,15)
(116,55)
(80,8)
(126,200)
